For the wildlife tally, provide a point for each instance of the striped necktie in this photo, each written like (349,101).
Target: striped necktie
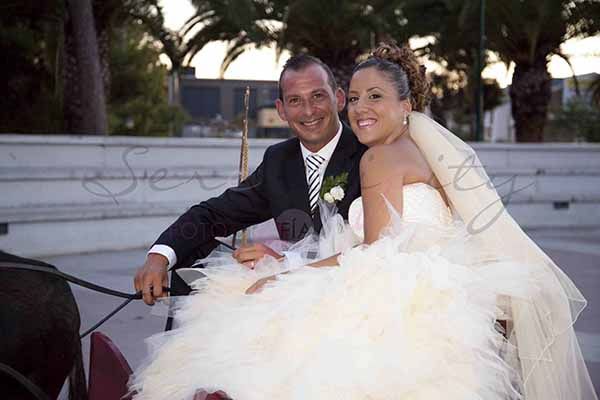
(313,163)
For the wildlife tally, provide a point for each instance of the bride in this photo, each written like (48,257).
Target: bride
(435,293)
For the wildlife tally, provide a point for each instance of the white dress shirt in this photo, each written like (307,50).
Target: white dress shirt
(326,152)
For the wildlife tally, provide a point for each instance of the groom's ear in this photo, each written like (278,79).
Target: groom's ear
(280,109)
(340,97)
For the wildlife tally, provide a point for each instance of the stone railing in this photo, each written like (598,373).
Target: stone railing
(68,194)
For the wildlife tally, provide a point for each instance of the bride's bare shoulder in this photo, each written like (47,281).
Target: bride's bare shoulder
(383,161)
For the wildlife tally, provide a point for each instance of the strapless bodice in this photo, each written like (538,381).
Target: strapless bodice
(421,203)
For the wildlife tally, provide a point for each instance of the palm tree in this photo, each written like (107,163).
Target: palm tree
(527,33)
(90,102)
(336,31)
(241,23)
(107,14)
(150,14)
(595,91)
(43,76)
(452,29)
(524,32)
(31,33)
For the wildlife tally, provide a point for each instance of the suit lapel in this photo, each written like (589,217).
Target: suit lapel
(341,161)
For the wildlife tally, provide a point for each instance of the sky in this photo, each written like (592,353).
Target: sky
(261,64)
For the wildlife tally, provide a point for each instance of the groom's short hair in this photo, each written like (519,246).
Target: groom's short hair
(301,61)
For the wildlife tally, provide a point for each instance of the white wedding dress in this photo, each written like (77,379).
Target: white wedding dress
(412,316)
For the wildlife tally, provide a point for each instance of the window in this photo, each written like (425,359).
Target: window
(201,101)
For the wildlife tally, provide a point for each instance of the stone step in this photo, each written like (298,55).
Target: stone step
(118,187)
(65,229)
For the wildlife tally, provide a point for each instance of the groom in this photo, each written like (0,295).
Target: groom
(285,186)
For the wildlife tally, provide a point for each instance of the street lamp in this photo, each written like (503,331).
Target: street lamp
(479,85)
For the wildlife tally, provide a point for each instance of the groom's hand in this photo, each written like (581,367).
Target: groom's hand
(151,277)
(251,254)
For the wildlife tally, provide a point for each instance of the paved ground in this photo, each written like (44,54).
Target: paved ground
(580,259)
(578,256)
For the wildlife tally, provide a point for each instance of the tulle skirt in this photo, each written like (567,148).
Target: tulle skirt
(412,316)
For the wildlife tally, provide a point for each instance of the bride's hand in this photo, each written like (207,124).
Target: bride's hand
(259,284)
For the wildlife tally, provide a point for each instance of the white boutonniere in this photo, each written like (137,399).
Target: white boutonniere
(332,189)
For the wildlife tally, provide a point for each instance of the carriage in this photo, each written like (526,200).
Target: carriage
(40,350)
(30,372)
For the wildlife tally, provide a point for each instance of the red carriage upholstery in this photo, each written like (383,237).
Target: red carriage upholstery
(109,371)
(202,395)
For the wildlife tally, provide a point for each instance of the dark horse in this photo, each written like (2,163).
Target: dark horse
(39,332)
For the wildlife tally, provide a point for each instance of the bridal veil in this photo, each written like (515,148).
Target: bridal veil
(540,324)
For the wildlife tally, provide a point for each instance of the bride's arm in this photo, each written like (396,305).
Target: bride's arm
(326,262)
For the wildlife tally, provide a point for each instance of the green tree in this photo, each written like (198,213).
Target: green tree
(339,32)
(595,91)
(528,33)
(336,31)
(451,29)
(452,99)
(150,14)
(581,118)
(138,103)
(524,32)
(87,103)
(42,74)
(31,98)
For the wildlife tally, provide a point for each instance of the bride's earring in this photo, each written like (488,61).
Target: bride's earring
(405,121)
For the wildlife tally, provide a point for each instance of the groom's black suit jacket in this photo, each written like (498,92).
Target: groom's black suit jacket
(276,189)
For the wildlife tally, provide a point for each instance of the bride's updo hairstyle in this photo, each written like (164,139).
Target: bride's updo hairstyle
(403,70)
